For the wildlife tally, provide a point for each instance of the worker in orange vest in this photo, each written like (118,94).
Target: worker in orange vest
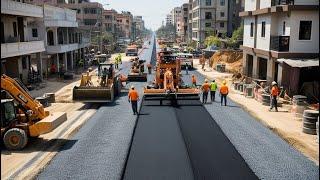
(133,96)
(274,94)
(194,80)
(224,90)
(205,90)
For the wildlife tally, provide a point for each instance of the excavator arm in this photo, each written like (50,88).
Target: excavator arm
(23,97)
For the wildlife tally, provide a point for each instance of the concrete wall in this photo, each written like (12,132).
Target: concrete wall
(247,40)
(306,2)
(8,25)
(265,3)
(304,46)
(263,42)
(250,5)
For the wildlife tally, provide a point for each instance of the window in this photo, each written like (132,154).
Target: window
(2,32)
(263,29)
(208,15)
(208,24)
(34,32)
(222,2)
(24,62)
(251,29)
(284,28)
(15,33)
(208,2)
(221,14)
(305,30)
(222,24)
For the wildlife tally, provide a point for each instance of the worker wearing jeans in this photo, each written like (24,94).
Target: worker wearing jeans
(133,96)
(224,92)
(274,95)
(213,88)
(205,90)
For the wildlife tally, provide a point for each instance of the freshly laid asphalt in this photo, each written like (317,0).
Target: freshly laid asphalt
(190,141)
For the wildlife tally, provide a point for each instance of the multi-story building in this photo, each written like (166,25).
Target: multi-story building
(124,22)
(21,40)
(208,16)
(169,19)
(175,14)
(184,22)
(278,36)
(110,20)
(139,25)
(234,20)
(190,20)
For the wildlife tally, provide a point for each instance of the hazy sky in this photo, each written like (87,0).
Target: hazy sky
(152,11)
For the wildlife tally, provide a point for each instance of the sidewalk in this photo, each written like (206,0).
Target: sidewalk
(282,123)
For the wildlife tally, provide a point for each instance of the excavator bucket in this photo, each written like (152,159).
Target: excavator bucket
(47,124)
(136,77)
(93,94)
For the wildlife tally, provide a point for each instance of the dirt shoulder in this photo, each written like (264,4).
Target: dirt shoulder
(282,123)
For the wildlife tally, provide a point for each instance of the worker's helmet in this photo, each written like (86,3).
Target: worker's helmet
(224,82)
(273,83)
(132,87)
(192,75)
(206,80)
(213,80)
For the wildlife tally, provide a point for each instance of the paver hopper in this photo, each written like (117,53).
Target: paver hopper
(137,73)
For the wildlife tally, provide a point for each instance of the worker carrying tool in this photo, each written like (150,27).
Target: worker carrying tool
(274,94)
(205,90)
(194,80)
(133,96)
(224,91)
(213,88)
(149,68)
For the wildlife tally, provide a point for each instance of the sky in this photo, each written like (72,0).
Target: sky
(152,11)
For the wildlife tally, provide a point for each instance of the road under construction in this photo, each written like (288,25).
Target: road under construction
(187,141)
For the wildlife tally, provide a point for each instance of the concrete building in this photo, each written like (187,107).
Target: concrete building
(139,25)
(234,20)
(278,37)
(109,20)
(184,22)
(190,20)
(21,40)
(175,14)
(208,16)
(169,19)
(124,23)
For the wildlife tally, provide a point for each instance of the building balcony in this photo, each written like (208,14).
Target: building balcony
(282,2)
(21,9)
(59,17)
(21,48)
(279,43)
(61,48)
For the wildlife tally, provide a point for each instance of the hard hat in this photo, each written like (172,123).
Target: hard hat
(273,83)
(192,75)
(224,82)
(132,87)
(206,80)
(213,80)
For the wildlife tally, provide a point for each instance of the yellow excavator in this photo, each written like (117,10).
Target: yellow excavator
(22,116)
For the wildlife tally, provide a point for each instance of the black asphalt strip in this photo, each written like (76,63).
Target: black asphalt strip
(182,142)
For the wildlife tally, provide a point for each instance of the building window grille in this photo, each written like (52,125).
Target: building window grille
(305,30)
(221,14)
(208,15)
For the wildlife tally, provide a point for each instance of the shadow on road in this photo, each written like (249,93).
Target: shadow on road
(44,145)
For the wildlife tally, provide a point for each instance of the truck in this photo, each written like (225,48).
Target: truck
(132,50)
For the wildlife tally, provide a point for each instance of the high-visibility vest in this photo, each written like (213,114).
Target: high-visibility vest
(213,86)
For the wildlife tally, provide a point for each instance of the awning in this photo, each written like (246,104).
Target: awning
(300,62)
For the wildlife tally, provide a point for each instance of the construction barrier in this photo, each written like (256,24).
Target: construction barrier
(310,118)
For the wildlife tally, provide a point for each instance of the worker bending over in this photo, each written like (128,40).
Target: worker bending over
(274,94)
(224,91)
(205,90)
(133,96)
(213,88)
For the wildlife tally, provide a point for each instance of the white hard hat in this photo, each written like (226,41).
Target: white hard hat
(132,86)
(206,80)
(273,83)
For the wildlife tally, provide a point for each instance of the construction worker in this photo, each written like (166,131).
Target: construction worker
(213,88)
(224,91)
(149,68)
(120,58)
(205,90)
(104,77)
(187,68)
(274,94)
(133,96)
(141,68)
(110,74)
(194,80)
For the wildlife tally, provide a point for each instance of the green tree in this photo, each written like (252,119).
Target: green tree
(236,36)
(212,40)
